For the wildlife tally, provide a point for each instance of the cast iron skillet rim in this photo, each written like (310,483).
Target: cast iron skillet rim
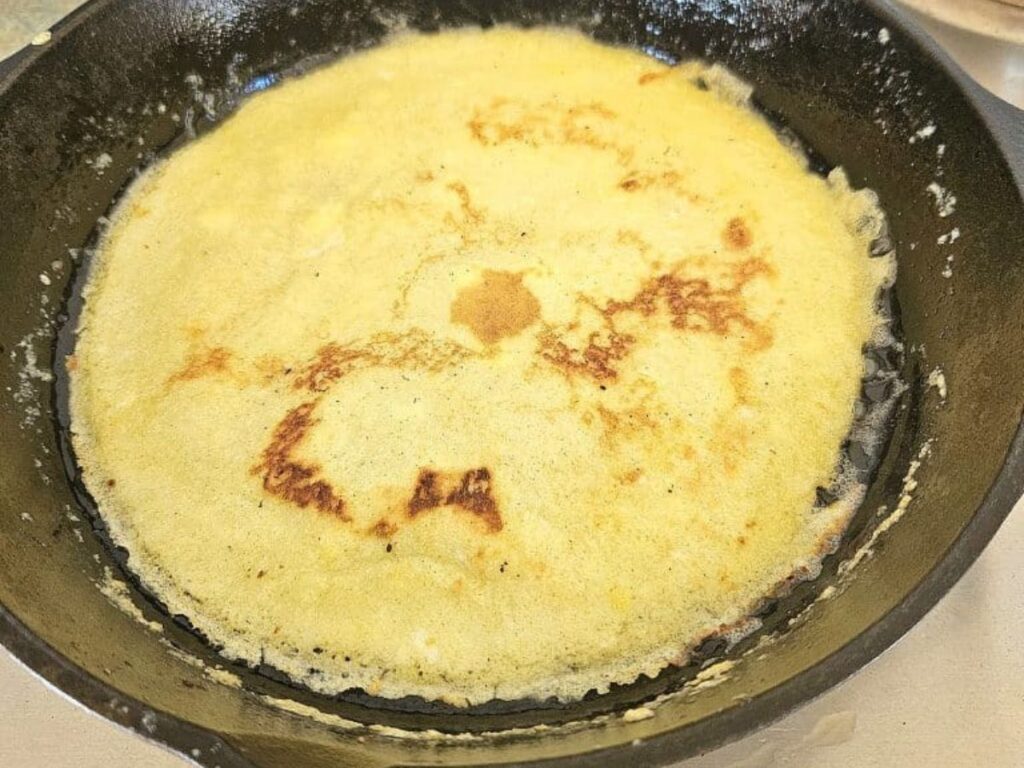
(77,686)
(16,63)
(728,724)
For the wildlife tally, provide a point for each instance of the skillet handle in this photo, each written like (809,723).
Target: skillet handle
(1007,123)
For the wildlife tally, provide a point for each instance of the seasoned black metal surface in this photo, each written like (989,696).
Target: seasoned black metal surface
(122,81)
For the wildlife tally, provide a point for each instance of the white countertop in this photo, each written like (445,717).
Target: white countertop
(949,694)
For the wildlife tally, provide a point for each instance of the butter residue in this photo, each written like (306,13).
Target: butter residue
(709,677)
(297,708)
(117,592)
(637,714)
(937,379)
(429,734)
(214,674)
(906,497)
(945,201)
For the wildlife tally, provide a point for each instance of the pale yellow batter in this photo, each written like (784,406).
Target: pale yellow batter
(479,364)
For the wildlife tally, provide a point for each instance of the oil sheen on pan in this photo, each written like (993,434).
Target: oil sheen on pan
(480,364)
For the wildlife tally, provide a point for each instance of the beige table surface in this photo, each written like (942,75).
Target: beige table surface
(950,694)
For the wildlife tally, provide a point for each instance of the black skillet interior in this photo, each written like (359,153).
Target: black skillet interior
(118,85)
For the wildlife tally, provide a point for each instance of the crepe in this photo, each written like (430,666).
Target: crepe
(482,364)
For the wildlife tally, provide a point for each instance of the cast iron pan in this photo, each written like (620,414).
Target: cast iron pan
(854,82)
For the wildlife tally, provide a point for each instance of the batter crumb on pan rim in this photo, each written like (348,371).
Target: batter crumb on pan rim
(497,381)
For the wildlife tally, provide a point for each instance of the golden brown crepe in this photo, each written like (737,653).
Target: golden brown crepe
(481,364)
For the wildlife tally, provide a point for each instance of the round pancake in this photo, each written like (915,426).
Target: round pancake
(477,365)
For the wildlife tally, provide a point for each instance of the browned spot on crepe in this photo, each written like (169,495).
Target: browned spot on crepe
(632,238)
(470,213)
(384,529)
(412,350)
(496,307)
(670,180)
(202,362)
(470,491)
(649,77)
(736,234)
(290,478)
(630,477)
(596,359)
(740,381)
(301,482)
(692,304)
(507,120)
